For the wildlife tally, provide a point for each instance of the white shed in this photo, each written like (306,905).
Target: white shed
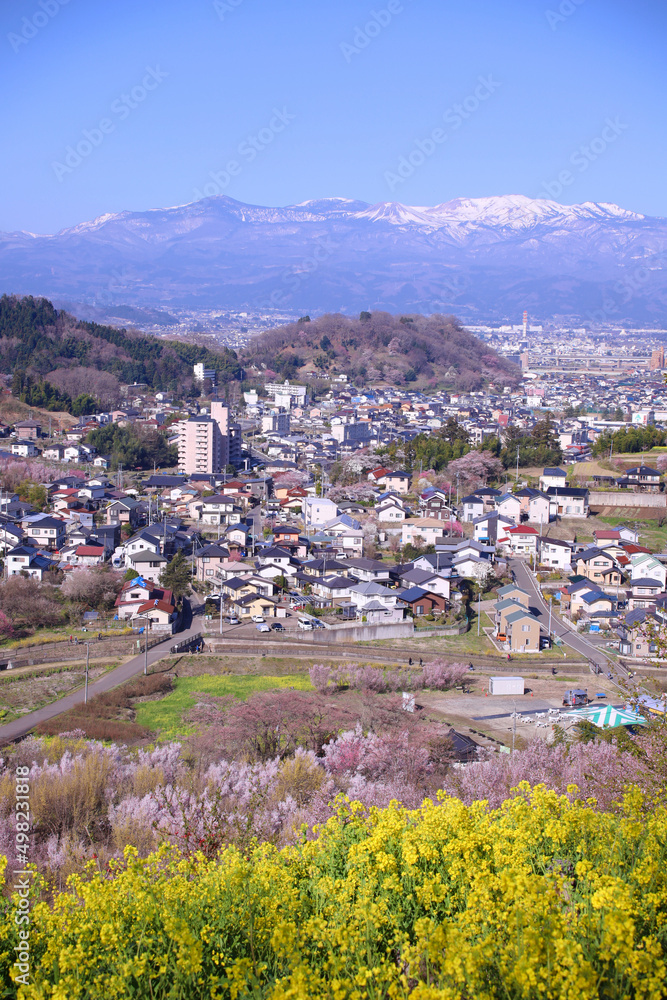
(506,685)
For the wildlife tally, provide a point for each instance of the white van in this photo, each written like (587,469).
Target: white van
(305,624)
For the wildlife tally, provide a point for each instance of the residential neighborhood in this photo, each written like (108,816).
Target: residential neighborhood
(283,506)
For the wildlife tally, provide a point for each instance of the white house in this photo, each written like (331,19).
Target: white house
(157,615)
(148,565)
(568,501)
(509,506)
(519,540)
(390,512)
(87,555)
(317,511)
(487,528)
(24,449)
(421,530)
(435,583)
(473,507)
(646,567)
(555,553)
(361,593)
(352,543)
(539,508)
(552,477)
(77,453)
(472,567)
(45,530)
(24,560)
(219,510)
(143,542)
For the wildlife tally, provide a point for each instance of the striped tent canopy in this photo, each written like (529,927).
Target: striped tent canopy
(607,717)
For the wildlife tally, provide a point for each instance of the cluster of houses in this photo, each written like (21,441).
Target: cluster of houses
(267,546)
(614,586)
(91,522)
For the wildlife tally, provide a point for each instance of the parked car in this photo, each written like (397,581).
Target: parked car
(317,624)
(232,620)
(262,627)
(305,624)
(278,627)
(258,618)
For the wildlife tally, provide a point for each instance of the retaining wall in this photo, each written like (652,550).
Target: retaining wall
(600,498)
(365,633)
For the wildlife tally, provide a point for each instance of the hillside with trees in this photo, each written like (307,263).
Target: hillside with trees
(61,363)
(425,352)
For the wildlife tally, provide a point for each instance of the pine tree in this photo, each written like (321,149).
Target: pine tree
(176,576)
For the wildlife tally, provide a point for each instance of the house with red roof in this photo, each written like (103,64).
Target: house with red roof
(138,592)
(158,614)
(87,555)
(520,540)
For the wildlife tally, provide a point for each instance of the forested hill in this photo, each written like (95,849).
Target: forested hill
(56,359)
(427,352)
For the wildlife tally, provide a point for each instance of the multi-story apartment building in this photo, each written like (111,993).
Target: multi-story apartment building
(276,422)
(200,373)
(203,441)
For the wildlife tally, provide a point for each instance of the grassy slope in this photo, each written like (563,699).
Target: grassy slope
(12,409)
(167,714)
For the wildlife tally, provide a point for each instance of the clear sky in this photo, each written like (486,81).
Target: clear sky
(186,87)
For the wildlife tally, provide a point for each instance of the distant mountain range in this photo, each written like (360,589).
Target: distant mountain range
(481,258)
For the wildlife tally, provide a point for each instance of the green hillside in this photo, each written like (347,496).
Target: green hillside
(57,361)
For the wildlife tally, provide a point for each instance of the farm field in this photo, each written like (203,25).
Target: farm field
(30,688)
(167,716)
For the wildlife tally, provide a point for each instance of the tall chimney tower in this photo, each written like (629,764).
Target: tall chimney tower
(525,323)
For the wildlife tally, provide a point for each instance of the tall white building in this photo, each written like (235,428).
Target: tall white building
(287,395)
(200,373)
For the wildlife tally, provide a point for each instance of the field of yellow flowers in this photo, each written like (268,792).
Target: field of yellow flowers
(546,896)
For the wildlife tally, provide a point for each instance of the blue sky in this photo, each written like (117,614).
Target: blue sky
(329,97)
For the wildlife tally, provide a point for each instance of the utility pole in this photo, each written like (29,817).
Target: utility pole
(517,464)
(85,695)
(514,727)
(479,605)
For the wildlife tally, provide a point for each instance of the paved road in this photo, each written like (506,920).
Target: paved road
(19,727)
(586,649)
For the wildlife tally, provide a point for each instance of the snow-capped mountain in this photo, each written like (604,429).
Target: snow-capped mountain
(478,257)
